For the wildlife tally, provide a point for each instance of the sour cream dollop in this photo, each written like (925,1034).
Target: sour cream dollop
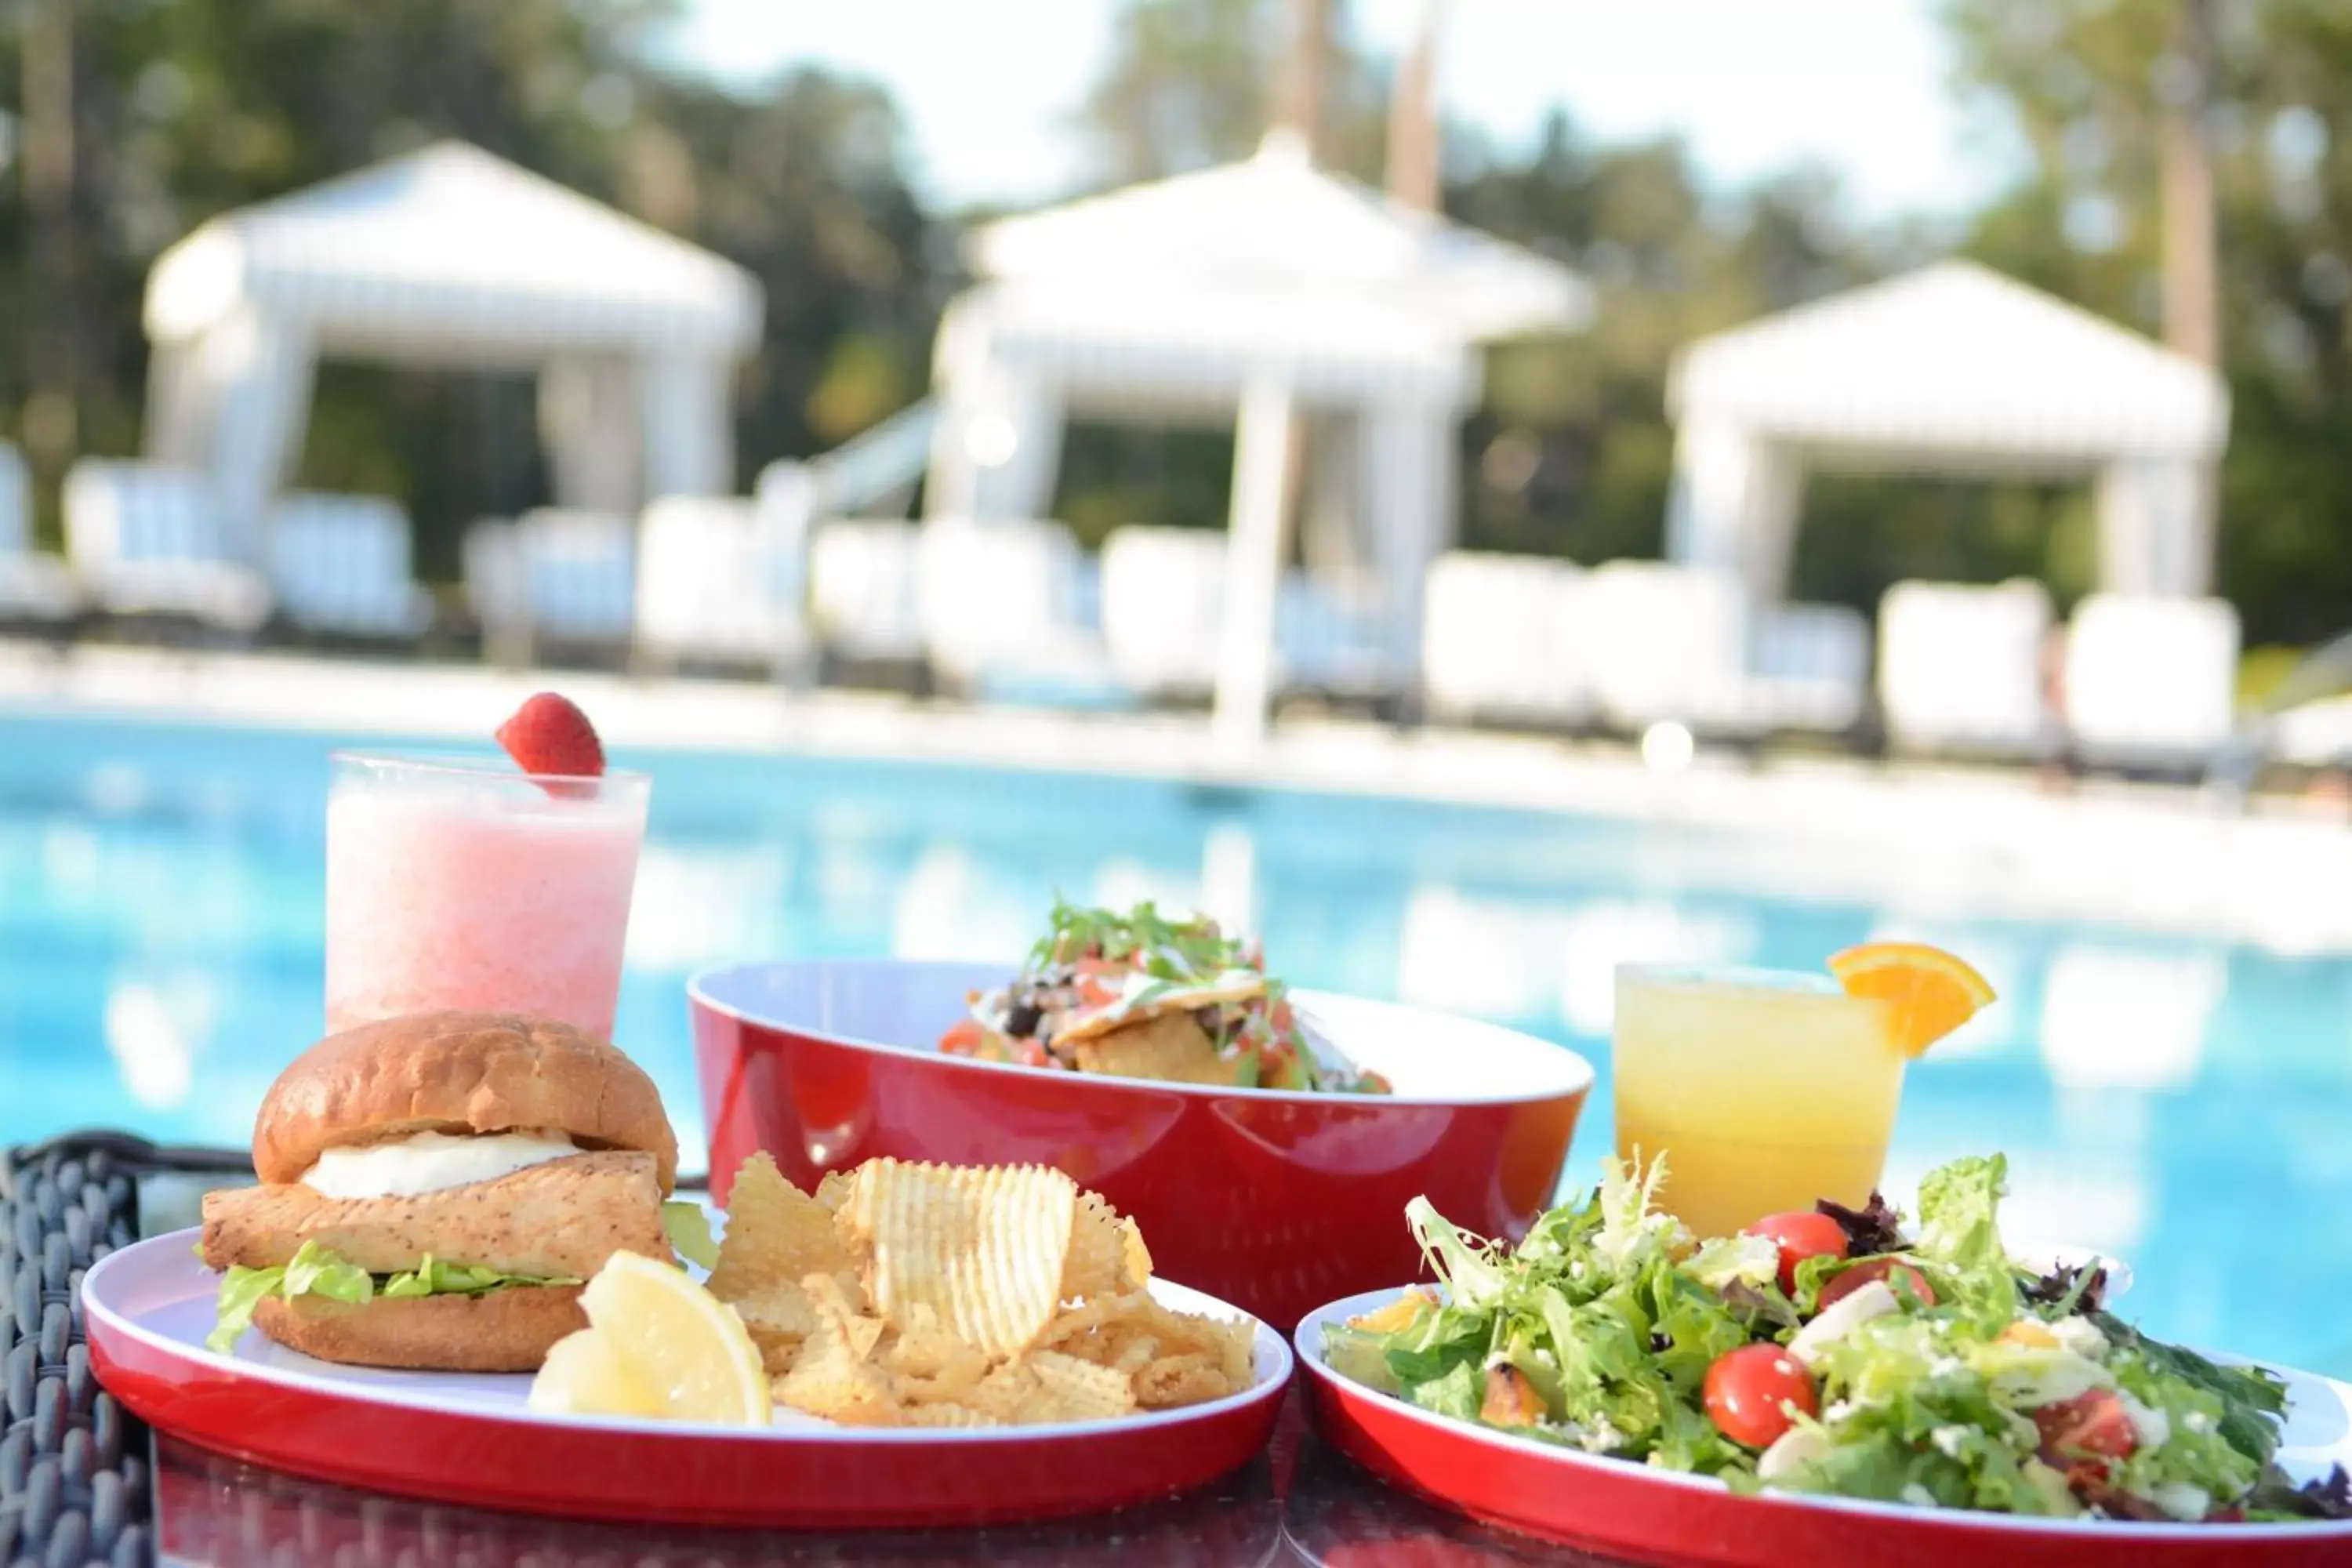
(430,1162)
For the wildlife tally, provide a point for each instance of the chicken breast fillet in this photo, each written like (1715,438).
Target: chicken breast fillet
(559,1219)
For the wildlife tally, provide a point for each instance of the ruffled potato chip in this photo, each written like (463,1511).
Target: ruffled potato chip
(985,1249)
(776,1234)
(1069,1389)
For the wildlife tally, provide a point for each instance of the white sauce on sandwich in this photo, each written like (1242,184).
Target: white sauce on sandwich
(430,1162)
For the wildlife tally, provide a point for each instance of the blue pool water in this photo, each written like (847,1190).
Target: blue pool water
(2184,1104)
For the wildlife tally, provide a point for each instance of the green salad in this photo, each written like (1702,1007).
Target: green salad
(1832,1352)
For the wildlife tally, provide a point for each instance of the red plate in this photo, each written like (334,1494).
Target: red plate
(458,1437)
(1664,1517)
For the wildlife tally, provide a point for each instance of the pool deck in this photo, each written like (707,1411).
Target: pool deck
(1931,842)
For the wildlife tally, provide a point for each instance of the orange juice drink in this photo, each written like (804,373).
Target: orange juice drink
(1765,1091)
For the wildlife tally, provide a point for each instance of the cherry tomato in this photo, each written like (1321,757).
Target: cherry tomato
(1852,1279)
(2092,1425)
(1800,1235)
(962,1038)
(1748,1392)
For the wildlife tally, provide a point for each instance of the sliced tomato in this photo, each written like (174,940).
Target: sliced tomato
(2086,1429)
(1894,1271)
(1800,1235)
(1749,1392)
(1283,1019)
(963,1038)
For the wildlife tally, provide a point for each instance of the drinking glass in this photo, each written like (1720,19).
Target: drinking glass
(1765,1089)
(458,882)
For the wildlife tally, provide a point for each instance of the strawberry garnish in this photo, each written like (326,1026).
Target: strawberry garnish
(549,735)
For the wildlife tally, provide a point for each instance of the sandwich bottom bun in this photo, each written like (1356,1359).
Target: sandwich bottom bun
(506,1329)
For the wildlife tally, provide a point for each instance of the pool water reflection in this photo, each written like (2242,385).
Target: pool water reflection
(2181,1103)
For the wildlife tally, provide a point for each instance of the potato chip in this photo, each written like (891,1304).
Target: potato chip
(828,1301)
(1073,1390)
(1137,1257)
(829,1378)
(922,1349)
(1004,1391)
(1188,1379)
(776,1234)
(1097,1264)
(949,1415)
(779,1316)
(984,1249)
(833,1189)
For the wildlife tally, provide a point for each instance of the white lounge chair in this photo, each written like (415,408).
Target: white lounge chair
(552,573)
(1162,599)
(2151,680)
(721,578)
(1326,641)
(864,589)
(1809,665)
(1961,668)
(1000,603)
(340,564)
(35,586)
(1669,643)
(149,540)
(1501,638)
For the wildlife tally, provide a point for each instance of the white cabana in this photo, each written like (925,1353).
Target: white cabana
(449,257)
(1265,290)
(1952,369)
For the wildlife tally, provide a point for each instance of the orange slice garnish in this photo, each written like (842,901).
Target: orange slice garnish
(1928,991)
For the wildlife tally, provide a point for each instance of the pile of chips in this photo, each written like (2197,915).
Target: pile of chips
(923,1295)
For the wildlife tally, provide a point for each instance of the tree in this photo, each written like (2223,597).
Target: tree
(2090,84)
(187,109)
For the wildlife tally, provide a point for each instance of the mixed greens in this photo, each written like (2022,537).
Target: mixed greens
(314,1270)
(1832,1356)
(1142,994)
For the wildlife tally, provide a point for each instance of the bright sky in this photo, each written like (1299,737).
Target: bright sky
(989,87)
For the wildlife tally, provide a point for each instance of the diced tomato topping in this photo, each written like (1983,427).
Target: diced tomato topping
(963,1038)
(1283,1019)
(2086,1430)
(1030,1054)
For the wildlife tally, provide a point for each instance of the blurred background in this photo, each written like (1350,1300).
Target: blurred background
(1479,491)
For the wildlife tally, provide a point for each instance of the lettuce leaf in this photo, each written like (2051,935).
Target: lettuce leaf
(688,1230)
(313,1270)
(1959,1240)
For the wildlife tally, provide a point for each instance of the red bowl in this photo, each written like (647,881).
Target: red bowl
(1272,1200)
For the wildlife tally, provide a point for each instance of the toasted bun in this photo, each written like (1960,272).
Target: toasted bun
(458,1073)
(500,1331)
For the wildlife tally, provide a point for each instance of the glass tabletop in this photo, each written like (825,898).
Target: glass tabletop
(1299,1503)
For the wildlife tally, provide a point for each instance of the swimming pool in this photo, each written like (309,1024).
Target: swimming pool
(2182,1102)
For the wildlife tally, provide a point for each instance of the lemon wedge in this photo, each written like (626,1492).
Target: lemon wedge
(658,1345)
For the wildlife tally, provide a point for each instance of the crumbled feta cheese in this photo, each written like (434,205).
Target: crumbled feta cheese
(1838,1411)
(1949,1440)
(1945,1365)
(1601,1438)
(1797,1446)
(2197,1421)
(1917,1496)
(2080,1335)
(2152,1424)
(2182,1500)
(1840,1319)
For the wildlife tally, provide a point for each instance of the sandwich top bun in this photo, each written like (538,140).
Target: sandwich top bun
(458,1073)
